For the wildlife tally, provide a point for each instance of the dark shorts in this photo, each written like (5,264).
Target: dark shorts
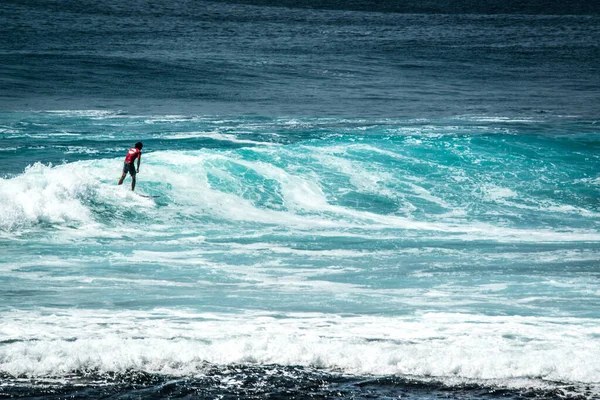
(128,167)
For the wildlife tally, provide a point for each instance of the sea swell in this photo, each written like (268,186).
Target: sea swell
(323,255)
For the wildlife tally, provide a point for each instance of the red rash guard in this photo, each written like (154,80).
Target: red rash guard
(132,154)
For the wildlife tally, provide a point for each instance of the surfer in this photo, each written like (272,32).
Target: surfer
(133,154)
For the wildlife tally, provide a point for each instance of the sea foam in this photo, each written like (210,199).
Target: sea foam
(452,347)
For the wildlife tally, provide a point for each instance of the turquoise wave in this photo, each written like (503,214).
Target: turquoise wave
(477,236)
(359,171)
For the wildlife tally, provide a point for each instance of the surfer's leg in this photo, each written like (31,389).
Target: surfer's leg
(132,172)
(125,170)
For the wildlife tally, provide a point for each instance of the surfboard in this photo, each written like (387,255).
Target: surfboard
(149,197)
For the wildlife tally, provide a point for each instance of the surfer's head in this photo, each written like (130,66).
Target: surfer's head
(139,145)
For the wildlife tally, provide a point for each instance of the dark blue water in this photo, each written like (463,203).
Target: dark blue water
(199,57)
(350,199)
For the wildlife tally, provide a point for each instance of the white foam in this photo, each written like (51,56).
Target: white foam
(509,197)
(81,150)
(40,194)
(452,347)
(83,113)
(363,178)
(488,119)
(336,253)
(61,195)
(495,193)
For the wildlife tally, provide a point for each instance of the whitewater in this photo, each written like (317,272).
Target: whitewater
(459,253)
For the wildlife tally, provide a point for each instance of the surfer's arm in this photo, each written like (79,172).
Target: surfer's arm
(138,164)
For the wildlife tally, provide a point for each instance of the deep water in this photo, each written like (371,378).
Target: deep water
(346,201)
(212,57)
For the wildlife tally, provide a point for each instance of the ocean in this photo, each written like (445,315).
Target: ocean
(336,200)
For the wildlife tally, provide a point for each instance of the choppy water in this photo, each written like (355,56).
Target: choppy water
(462,252)
(350,204)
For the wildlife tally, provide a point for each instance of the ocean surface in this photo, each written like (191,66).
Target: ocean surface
(336,200)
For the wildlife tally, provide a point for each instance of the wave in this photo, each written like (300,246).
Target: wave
(456,349)
(331,187)
(378,229)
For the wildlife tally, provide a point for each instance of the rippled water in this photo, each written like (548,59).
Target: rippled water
(340,202)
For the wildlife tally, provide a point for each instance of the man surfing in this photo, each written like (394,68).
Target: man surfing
(133,154)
